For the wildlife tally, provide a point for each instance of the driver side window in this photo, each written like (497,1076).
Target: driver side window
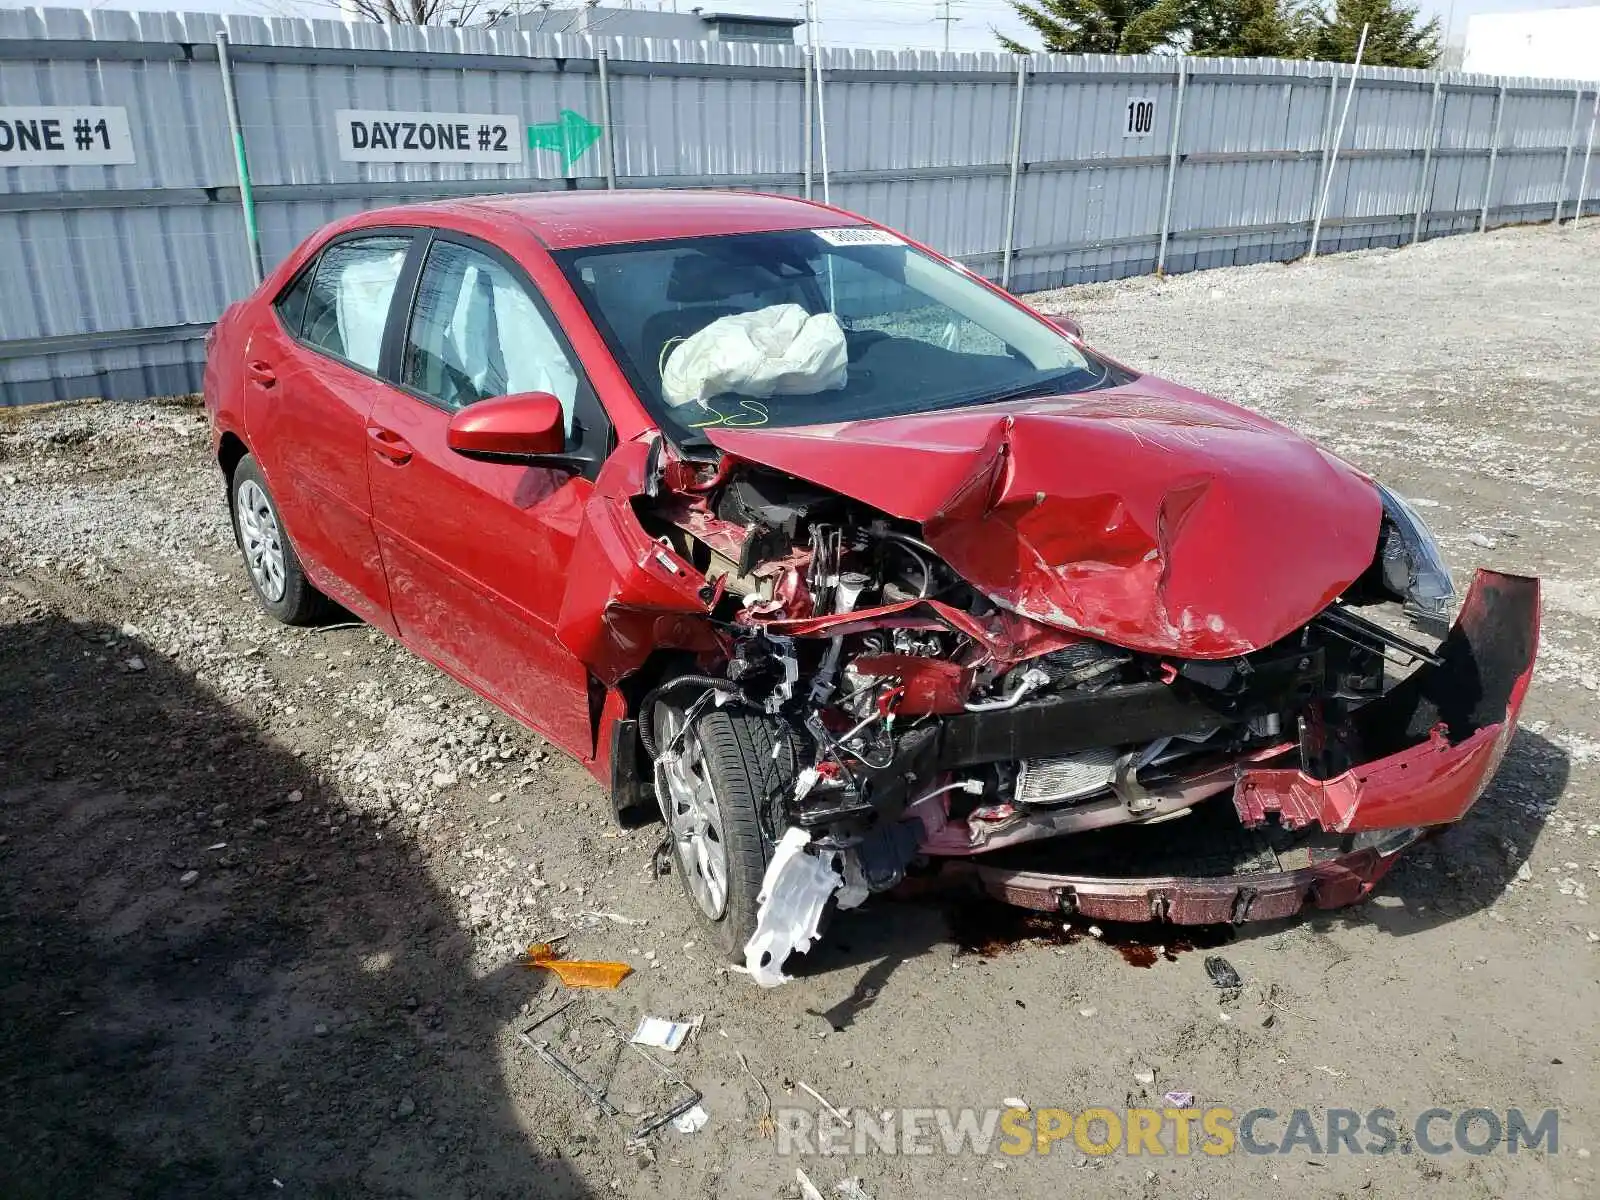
(476,333)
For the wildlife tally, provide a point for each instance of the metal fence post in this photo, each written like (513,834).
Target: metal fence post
(1327,140)
(610,155)
(1588,149)
(1172,167)
(806,122)
(1333,158)
(1423,189)
(822,135)
(247,199)
(1566,160)
(1494,151)
(1016,168)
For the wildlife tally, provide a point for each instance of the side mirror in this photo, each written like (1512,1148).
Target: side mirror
(1066,324)
(510,429)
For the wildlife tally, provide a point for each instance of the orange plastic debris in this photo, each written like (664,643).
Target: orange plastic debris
(576,974)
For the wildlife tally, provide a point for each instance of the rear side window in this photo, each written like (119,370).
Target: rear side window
(348,303)
(291,306)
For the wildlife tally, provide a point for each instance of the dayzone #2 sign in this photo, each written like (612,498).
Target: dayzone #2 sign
(379,136)
(68,136)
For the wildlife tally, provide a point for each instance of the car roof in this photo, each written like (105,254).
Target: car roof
(567,220)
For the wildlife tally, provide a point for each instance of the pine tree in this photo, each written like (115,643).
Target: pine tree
(1247,28)
(1099,26)
(1396,36)
(1323,29)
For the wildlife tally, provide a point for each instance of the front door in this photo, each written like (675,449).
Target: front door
(477,553)
(312,379)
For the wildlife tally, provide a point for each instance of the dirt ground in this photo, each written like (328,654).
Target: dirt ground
(263,891)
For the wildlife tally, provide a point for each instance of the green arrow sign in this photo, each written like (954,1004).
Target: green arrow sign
(569,135)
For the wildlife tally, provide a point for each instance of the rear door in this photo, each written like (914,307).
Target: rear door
(477,553)
(311,380)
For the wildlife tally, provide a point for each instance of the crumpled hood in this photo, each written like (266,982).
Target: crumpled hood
(1151,516)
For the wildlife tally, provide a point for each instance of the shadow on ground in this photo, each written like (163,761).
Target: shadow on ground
(216,974)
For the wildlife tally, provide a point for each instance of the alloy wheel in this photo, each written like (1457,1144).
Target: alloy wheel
(262,540)
(692,813)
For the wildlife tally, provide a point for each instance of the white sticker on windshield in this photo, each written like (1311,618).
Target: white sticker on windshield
(858,235)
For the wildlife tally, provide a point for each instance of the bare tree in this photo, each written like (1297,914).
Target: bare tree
(411,12)
(555,16)
(419,12)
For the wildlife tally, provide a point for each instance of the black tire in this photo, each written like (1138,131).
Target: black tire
(751,762)
(300,603)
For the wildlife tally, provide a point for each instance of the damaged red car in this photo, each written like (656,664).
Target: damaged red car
(845,563)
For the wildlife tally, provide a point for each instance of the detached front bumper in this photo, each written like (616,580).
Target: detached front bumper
(1267,896)
(1435,742)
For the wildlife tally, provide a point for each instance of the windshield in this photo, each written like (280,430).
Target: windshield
(812,326)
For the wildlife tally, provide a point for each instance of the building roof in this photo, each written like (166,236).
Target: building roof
(753,19)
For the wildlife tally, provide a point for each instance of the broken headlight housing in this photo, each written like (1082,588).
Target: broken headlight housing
(1413,568)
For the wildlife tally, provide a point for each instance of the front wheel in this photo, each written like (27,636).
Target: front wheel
(276,578)
(722,777)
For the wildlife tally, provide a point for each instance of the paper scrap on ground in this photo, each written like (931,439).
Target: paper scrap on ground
(692,1121)
(660,1032)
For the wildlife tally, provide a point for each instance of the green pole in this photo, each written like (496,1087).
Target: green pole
(247,200)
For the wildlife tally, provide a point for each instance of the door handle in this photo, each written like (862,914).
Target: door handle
(262,373)
(389,444)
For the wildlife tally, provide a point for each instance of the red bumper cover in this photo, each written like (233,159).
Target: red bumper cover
(1435,741)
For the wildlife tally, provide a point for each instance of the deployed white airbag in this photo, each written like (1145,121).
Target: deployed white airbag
(775,351)
(361,304)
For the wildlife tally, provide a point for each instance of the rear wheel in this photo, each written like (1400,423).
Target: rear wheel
(725,774)
(276,578)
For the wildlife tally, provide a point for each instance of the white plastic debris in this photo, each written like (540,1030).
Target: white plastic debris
(794,892)
(774,351)
(839,1114)
(808,1190)
(856,889)
(692,1121)
(662,1033)
(1016,1102)
(805,781)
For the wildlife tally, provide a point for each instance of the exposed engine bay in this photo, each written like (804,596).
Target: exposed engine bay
(890,670)
(916,719)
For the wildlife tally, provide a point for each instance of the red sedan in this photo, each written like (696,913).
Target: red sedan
(844,562)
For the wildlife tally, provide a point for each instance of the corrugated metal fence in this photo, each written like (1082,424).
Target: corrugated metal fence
(1042,171)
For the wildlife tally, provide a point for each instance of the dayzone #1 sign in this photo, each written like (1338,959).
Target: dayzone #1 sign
(379,136)
(77,135)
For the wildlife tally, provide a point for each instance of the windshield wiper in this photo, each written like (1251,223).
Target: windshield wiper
(1039,387)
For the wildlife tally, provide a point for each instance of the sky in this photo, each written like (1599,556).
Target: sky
(879,24)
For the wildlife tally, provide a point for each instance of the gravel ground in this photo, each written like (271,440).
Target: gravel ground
(263,891)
